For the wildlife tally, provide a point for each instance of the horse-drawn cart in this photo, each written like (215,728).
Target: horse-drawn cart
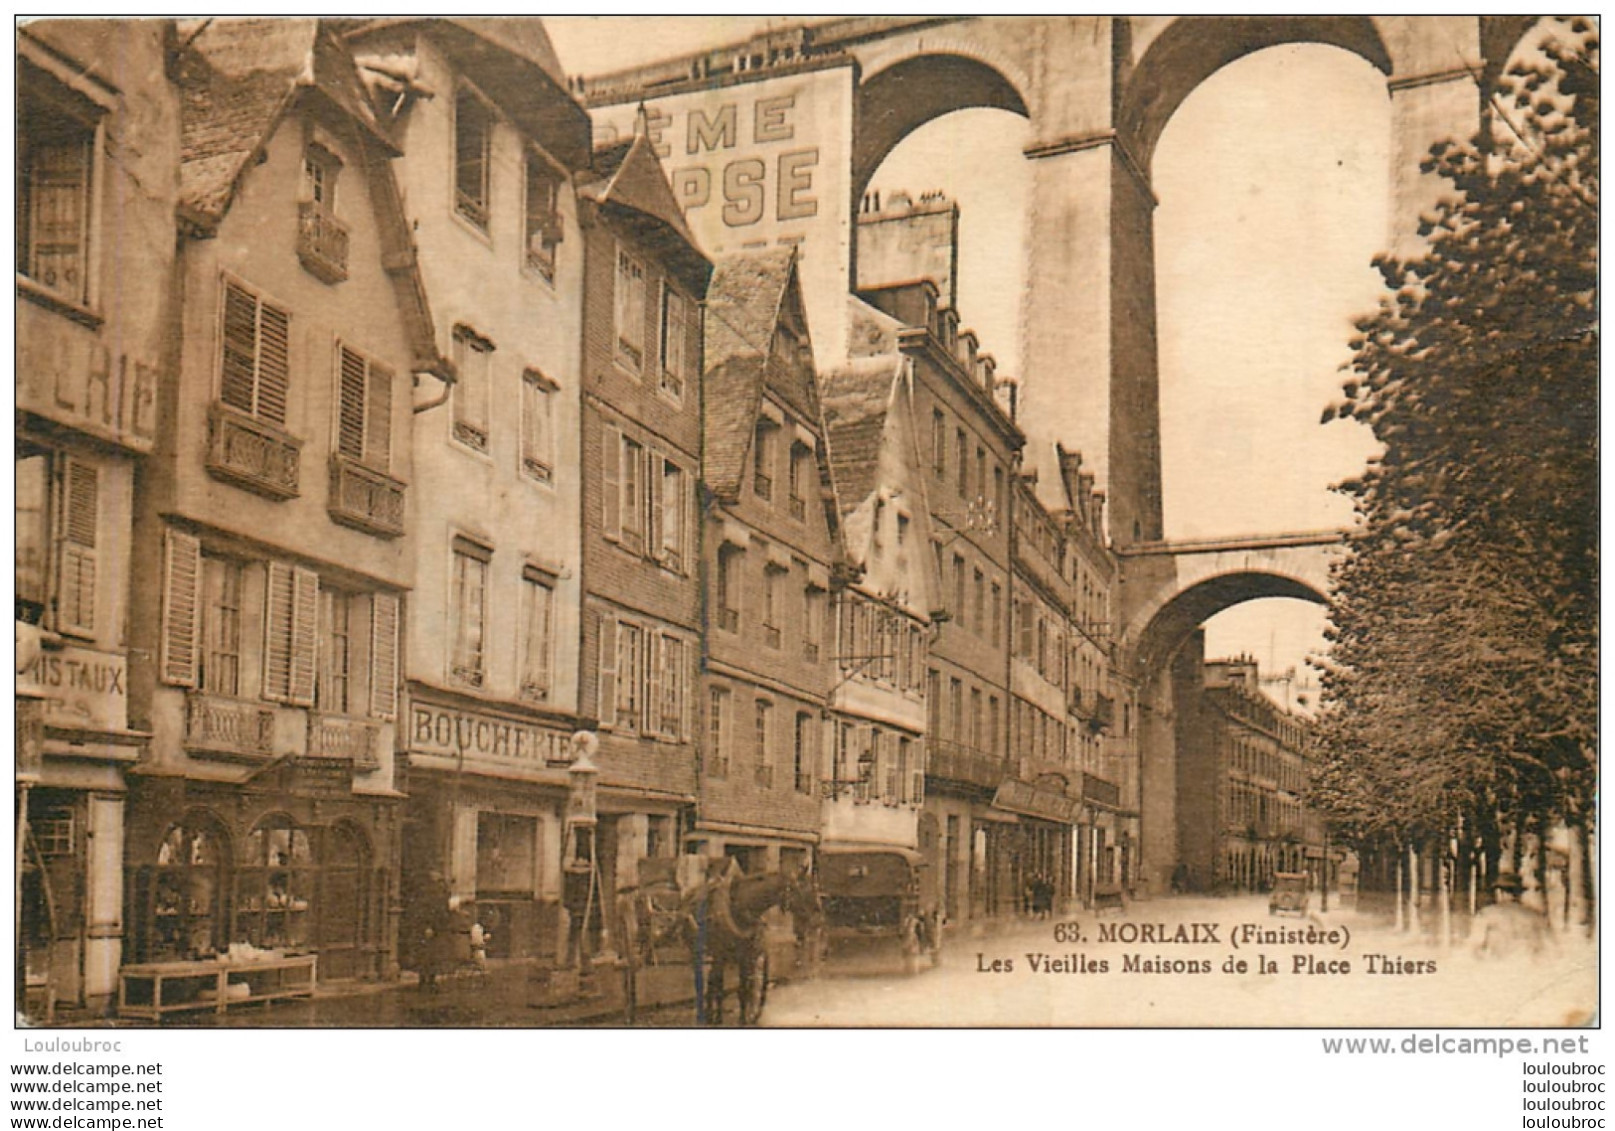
(707,917)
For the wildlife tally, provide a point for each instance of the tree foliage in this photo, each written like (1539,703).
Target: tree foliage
(1462,681)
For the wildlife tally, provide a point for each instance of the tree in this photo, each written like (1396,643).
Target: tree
(1461,691)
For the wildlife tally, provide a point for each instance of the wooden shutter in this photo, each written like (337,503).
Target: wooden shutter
(673,329)
(351,423)
(274,362)
(654,526)
(291,630)
(240,357)
(651,712)
(305,635)
(608,671)
(75,589)
(378,421)
(278,606)
(611,482)
(182,622)
(384,655)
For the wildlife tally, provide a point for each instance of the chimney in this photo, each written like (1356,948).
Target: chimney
(1071,475)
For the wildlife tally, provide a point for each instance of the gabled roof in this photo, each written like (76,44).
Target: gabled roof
(744,302)
(237,78)
(858,399)
(627,182)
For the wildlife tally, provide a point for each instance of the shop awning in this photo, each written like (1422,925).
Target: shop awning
(1023,797)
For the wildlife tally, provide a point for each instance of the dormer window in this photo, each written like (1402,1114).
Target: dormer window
(322,239)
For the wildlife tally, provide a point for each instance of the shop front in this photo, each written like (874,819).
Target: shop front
(288,860)
(487,798)
(1047,816)
(72,750)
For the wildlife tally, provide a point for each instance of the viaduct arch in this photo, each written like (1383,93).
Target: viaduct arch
(1097,93)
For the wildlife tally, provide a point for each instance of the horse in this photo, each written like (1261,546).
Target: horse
(727,926)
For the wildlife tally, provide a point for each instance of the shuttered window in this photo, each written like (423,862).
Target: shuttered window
(75,585)
(291,628)
(676,362)
(538,428)
(473,363)
(384,655)
(364,414)
(629,307)
(538,638)
(182,622)
(255,363)
(607,668)
(469,609)
(611,483)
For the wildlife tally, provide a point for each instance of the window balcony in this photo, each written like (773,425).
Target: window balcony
(729,620)
(798,508)
(953,761)
(365,499)
(771,636)
(231,730)
(765,777)
(322,243)
(338,736)
(764,485)
(252,454)
(810,652)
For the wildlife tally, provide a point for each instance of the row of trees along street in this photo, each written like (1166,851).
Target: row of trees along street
(1460,698)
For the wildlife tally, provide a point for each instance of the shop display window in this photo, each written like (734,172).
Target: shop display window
(275,886)
(186,892)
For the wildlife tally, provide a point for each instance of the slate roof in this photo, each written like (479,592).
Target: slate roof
(744,302)
(858,399)
(626,180)
(237,77)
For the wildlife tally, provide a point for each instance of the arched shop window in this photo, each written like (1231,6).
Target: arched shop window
(275,886)
(182,896)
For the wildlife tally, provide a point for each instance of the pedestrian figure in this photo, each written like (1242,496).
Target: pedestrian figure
(1507,928)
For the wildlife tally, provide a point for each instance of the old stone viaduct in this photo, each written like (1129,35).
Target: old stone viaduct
(1097,93)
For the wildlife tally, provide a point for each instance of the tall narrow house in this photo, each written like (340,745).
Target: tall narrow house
(876,785)
(644,281)
(771,555)
(97,150)
(275,517)
(491,143)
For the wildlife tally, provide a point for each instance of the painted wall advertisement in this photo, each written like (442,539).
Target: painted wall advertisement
(764,165)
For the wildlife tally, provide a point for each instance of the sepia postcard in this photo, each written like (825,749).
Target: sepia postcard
(806,522)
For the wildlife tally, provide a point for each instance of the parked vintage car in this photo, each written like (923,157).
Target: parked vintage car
(877,893)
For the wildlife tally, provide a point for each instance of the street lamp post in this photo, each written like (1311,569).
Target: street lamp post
(581,875)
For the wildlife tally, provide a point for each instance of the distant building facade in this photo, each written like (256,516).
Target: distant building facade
(1245,767)
(772,554)
(875,788)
